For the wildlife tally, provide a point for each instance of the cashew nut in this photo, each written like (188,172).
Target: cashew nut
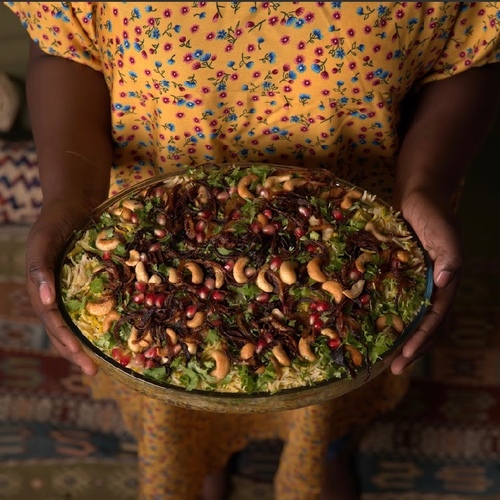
(172,335)
(314,270)
(192,347)
(197,275)
(243,184)
(247,351)
(102,307)
(239,270)
(173,275)
(220,277)
(133,258)
(124,213)
(349,198)
(104,243)
(275,179)
(291,184)
(281,355)
(356,356)
(389,320)
(155,279)
(197,320)
(202,197)
(113,315)
(362,260)
(261,280)
(403,255)
(222,364)
(132,205)
(140,272)
(370,227)
(355,290)
(132,343)
(334,288)
(305,349)
(287,272)
(330,333)
(327,233)
(147,340)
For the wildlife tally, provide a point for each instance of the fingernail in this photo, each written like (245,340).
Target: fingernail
(45,293)
(443,278)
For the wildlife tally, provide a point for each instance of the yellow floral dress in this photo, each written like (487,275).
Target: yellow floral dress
(307,84)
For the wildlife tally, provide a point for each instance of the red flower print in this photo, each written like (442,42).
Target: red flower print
(131,60)
(389,56)
(249,24)
(284,39)
(273,21)
(256,74)
(167,47)
(481,12)
(353,65)
(287,88)
(238,32)
(234,76)
(179,114)
(335,41)
(355,90)
(306,83)
(370,75)
(367,29)
(309,17)
(229,47)
(429,11)
(184,10)
(151,21)
(336,15)
(250,47)
(196,65)
(210,36)
(299,59)
(325,92)
(125,21)
(383,22)
(45,8)
(376,48)
(138,30)
(195,28)
(418,5)
(319,51)
(351,32)
(188,57)
(205,90)
(299,11)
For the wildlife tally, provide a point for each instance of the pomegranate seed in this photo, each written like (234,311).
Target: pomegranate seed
(154,247)
(252,308)
(235,215)
(250,271)
(268,213)
(160,300)
(223,196)
(322,306)
(277,225)
(200,237)
(125,360)
(255,227)
(311,248)
(149,300)
(338,215)
(364,299)
(138,298)
(268,337)
(333,343)
(354,274)
(318,325)
(396,264)
(150,364)
(152,352)
(233,190)
(158,192)
(106,255)
(161,219)
(134,218)
(275,263)
(191,311)
(205,214)
(262,298)
(201,225)
(260,345)
(228,266)
(140,286)
(269,229)
(305,211)
(218,296)
(144,257)
(313,306)
(299,232)
(265,193)
(210,283)
(216,322)
(117,354)
(160,232)
(203,293)
(139,359)
(314,317)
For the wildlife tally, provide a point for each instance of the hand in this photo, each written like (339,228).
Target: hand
(55,223)
(437,228)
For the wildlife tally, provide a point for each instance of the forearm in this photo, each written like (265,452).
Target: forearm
(70,115)
(451,120)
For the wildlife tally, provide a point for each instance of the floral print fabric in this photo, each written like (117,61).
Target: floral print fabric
(307,84)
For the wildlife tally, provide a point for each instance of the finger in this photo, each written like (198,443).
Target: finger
(79,359)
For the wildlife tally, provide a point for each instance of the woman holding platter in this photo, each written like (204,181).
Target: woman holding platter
(119,92)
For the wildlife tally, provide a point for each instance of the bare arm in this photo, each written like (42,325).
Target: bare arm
(452,119)
(70,114)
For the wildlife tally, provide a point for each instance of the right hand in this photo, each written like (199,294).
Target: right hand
(55,224)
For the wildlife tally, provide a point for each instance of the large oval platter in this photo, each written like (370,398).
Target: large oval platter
(243,287)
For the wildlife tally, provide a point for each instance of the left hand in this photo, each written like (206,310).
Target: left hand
(437,227)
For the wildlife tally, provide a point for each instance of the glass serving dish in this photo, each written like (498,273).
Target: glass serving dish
(212,400)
